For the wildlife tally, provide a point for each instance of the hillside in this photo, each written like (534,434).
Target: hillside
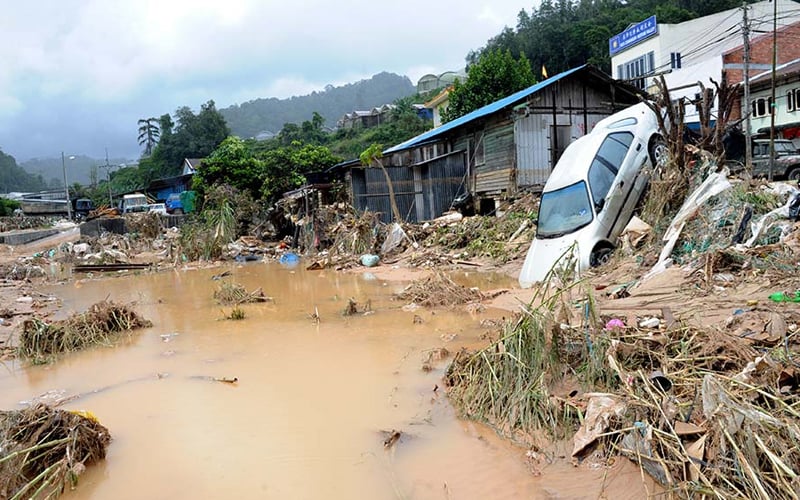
(269,115)
(79,168)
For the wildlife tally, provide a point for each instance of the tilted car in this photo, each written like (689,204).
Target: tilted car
(592,192)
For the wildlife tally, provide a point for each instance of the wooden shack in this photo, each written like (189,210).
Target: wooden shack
(496,151)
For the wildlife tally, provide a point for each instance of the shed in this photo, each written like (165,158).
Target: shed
(514,143)
(495,151)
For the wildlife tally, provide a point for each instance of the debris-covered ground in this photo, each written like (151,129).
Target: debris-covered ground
(680,353)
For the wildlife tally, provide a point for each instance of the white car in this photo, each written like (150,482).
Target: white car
(159,208)
(591,193)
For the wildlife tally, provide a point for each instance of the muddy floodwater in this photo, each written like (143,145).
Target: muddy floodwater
(308,415)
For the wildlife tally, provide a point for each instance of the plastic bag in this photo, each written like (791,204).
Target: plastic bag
(393,239)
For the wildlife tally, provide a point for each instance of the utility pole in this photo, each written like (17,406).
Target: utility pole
(66,186)
(748,143)
(773,107)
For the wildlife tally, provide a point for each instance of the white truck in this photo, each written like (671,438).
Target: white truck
(136,202)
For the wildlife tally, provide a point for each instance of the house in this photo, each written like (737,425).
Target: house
(787,102)
(702,48)
(493,152)
(431,82)
(366,119)
(160,189)
(438,104)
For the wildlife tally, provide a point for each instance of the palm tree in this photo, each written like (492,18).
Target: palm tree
(148,134)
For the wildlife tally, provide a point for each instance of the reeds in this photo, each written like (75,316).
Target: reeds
(40,341)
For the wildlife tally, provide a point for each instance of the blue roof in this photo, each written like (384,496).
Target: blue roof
(480,112)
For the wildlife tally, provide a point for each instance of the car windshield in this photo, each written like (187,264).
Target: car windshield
(564,211)
(784,148)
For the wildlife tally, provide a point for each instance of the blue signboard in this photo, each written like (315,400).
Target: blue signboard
(633,35)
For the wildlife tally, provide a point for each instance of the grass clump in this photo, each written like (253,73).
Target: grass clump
(236,314)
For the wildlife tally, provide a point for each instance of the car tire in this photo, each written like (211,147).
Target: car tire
(600,255)
(658,151)
(794,174)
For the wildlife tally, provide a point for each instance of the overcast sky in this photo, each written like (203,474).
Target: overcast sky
(77,74)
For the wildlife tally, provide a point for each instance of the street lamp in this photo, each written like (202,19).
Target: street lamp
(66,186)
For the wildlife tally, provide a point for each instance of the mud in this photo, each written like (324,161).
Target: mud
(312,403)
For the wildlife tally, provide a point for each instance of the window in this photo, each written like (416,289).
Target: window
(606,164)
(633,71)
(675,60)
(761,107)
(791,100)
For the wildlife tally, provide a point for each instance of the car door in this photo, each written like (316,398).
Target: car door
(611,178)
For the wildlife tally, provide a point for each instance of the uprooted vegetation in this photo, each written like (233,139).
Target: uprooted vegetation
(101,324)
(438,289)
(235,294)
(43,450)
(703,411)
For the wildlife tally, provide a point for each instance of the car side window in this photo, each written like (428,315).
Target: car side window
(606,164)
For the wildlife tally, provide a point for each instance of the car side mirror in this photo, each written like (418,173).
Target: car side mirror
(600,204)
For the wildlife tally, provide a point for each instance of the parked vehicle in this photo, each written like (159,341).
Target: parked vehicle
(592,191)
(174,204)
(787,160)
(81,208)
(134,203)
(159,208)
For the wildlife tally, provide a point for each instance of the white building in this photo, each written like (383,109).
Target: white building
(693,51)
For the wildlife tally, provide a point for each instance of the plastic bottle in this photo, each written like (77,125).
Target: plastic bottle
(785,297)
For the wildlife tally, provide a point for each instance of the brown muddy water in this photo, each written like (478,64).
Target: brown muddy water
(307,417)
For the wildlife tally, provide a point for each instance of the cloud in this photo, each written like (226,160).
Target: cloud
(111,63)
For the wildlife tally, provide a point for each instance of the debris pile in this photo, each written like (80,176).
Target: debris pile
(99,325)
(235,294)
(43,450)
(705,412)
(438,289)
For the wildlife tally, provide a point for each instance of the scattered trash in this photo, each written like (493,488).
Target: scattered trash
(289,259)
(221,275)
(785,297)
(168,337)
(369,260)
(393,437)
(650,323)
(615,324)
(224,380)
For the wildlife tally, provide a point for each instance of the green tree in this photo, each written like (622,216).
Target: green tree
(189,136)
(495,75)
(234,164)
(148,134)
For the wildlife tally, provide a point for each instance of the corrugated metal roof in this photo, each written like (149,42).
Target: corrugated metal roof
(480,112)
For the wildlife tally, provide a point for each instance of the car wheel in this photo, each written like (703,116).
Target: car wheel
(659,152)
(794,174)
(600,255)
